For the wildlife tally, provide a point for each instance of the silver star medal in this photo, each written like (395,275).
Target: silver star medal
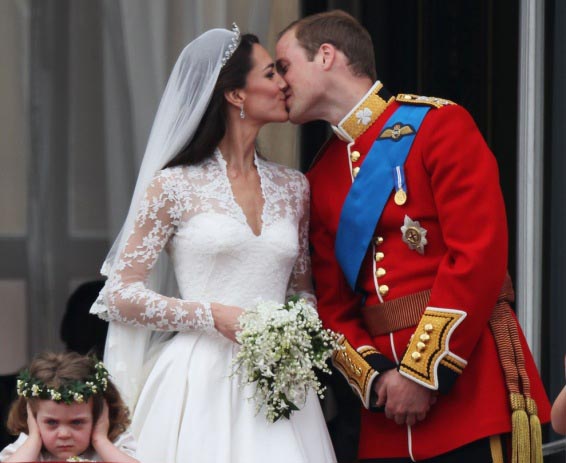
(414,235)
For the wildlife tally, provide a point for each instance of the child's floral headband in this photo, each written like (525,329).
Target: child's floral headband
(75,391)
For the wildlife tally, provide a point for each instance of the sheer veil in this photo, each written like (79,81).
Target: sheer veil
(180,111)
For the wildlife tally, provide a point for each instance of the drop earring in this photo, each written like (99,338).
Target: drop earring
(242,114)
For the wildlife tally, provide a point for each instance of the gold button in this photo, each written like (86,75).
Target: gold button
(383,290)
(378,240)
(424,337)
(355,156)
(416,356)
(379,256)
(355,171)
(428,327)
(421,346)
(380,272)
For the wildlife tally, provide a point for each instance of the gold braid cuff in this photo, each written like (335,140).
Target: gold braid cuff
(352,364)
(429,347)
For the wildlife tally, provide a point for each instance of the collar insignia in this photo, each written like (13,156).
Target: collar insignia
(414,235)
(396,132)
(364,114)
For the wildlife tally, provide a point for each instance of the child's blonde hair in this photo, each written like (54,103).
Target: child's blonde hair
(56,370)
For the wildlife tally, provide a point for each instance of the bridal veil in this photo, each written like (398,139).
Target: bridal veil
(183,104)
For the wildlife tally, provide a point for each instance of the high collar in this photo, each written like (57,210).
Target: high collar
(364,113)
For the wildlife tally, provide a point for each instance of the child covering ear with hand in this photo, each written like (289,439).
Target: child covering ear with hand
(68,410)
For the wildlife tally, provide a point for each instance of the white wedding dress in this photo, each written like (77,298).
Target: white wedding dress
(190,409)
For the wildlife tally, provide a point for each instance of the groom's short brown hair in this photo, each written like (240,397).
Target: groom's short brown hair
(341,30)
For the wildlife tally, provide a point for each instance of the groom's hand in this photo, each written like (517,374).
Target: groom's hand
(406,402)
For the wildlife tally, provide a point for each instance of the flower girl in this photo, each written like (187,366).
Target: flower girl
(68,410)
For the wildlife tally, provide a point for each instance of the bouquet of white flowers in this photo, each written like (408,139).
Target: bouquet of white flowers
(281,346)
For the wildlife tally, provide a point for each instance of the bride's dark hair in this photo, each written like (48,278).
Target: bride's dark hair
(212,127)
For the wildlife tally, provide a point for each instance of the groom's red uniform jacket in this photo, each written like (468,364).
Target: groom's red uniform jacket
(453,192)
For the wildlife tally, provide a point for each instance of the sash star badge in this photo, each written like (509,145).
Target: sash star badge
(414,235)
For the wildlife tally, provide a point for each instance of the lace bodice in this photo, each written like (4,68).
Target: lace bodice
(191,212)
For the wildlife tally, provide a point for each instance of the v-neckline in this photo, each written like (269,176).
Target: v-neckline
(237,206)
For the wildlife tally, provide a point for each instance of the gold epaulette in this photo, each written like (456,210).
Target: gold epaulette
(352,364)
(423,100)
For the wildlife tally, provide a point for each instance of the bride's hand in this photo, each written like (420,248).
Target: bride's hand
(226,319)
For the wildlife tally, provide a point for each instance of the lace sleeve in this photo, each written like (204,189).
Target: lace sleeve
(300,282)
(126,294)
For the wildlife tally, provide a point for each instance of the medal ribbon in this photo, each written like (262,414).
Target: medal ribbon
(371,189)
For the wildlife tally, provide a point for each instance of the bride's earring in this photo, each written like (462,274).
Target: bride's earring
(242,113)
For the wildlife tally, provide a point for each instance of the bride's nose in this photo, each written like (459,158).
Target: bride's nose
(281,83)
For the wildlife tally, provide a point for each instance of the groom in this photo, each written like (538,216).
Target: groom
(409,240)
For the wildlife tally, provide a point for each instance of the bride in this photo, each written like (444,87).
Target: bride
(234,227)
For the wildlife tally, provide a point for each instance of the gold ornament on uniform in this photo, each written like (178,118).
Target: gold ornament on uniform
(365,113)
(353,365)
(397,132)
(400,197)
(430,347)
(423,100)
(414,235)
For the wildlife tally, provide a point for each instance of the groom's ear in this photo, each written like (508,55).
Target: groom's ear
(326,55)
(235,97)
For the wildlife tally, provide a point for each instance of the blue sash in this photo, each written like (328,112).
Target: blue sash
(371,189)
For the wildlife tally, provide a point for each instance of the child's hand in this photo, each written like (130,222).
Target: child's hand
(102,425)
(102,444)
(33,428)
(31,448)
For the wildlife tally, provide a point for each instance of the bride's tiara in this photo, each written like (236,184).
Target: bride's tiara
(233,43)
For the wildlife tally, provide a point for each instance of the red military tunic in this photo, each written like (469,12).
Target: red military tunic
(453,192)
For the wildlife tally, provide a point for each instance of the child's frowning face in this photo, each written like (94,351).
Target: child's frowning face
(65,429)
